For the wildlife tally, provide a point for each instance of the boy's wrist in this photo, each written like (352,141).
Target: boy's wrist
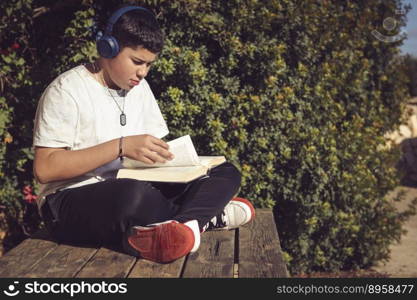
(121,152)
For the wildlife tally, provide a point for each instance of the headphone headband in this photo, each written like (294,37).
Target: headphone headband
(118,13)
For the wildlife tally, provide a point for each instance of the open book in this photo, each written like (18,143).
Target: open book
(185,167)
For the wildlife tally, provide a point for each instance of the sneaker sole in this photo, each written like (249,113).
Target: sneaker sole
(164,243)
(248,203)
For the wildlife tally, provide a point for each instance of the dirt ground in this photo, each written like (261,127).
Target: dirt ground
(403,260)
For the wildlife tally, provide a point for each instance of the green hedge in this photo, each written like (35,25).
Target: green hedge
(298,94)
(410,69)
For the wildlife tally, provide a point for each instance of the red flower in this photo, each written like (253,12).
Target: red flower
(15,46)
(28,195)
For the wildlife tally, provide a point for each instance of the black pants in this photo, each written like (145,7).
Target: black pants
(102,212)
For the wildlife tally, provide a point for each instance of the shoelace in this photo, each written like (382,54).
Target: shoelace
(218,221)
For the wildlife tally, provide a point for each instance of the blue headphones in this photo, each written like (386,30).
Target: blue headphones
(107,45)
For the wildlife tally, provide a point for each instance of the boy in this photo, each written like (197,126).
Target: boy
(91,116)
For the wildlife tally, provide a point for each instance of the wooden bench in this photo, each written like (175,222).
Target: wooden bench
(250,251)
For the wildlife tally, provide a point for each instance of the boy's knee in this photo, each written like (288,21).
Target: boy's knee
(228,171)
(235,174)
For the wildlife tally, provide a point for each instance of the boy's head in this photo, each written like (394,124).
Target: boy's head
(131,43)
(130,26)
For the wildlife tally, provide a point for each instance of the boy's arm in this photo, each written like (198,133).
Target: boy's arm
(52,164)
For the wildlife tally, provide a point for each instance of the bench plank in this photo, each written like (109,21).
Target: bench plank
(252,250)
(148,269)
(63,261)
(214,258)
(27,254)
(107,263)
(259,248)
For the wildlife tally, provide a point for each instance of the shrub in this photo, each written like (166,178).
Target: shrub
(410,69)
(18,92)
(297,94)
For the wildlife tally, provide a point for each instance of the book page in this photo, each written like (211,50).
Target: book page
(211,161)
(184,155)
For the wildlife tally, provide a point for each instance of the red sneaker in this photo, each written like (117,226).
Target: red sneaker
(162,242)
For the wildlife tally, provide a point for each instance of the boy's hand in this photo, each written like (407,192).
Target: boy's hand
(146,148)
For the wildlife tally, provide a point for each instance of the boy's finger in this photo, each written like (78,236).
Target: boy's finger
(156,157)
(161,143)
(162,152)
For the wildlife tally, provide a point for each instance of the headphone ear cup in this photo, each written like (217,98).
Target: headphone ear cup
(99,35)
(107,46)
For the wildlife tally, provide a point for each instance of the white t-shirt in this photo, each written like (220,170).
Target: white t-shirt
(77,112)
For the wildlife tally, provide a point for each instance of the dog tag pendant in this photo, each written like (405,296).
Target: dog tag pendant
(122,119)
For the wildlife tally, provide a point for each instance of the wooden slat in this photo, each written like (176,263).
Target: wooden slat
(23,257)
(107,263)
(214,258)
(259,248)
(63,261)
(148,269)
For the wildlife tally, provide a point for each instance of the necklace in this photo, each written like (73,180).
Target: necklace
(122,117)
(122,111)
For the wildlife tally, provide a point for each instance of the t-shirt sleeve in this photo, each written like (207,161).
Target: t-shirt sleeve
(56,119)
(153,120)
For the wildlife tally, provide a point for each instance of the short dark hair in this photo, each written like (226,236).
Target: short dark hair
(139,28)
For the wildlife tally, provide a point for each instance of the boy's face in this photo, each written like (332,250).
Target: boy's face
(129,67)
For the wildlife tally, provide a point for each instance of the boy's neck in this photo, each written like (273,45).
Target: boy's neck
(100,74)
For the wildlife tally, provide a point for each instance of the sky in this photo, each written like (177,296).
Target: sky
(410,44)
